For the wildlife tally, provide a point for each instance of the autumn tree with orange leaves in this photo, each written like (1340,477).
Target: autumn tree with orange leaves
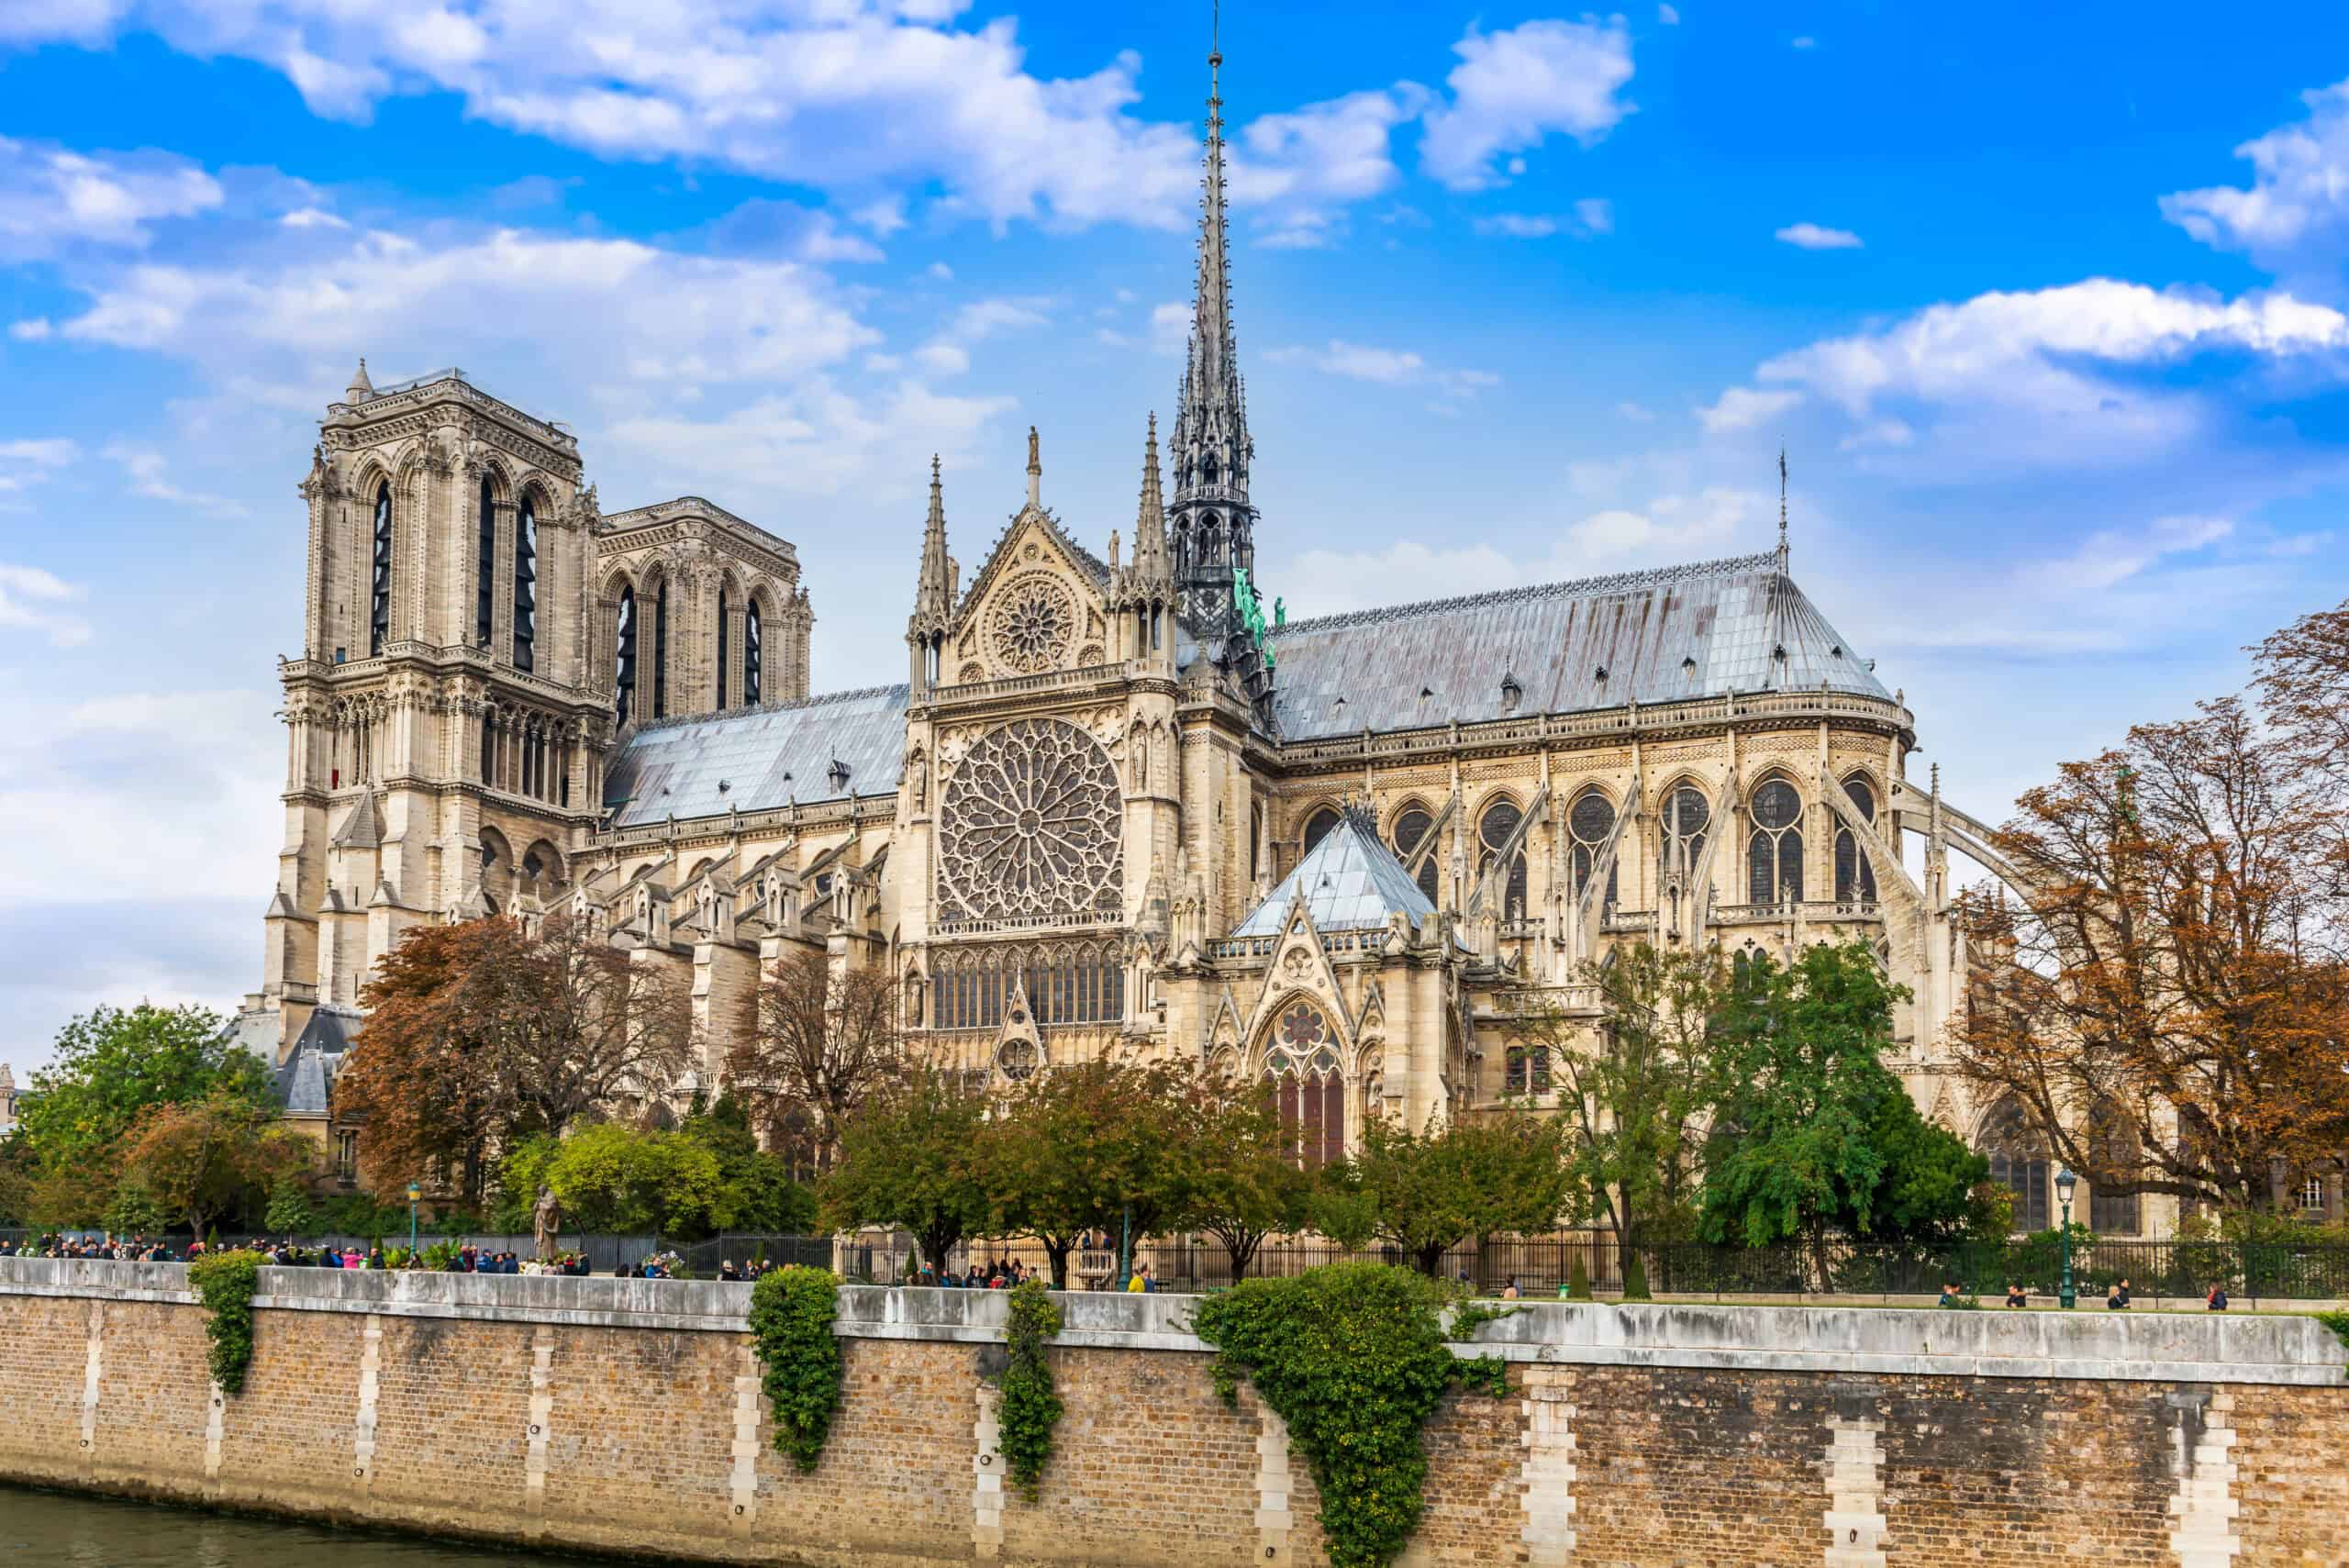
(481,1033)
(2171,1006)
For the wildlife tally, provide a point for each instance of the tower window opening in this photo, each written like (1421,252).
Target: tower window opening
(753,654)
(660,650)
(1774,853)
(624,671)
(723,648)
(526,585)
(379,602)
(485,567)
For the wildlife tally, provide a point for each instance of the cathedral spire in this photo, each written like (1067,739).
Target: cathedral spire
(933,592)
(360,389)
(1150,522)
(1781,506)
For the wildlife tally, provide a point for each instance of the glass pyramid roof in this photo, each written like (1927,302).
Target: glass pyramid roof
(1351,882)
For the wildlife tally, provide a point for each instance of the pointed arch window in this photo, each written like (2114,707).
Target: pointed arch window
(1687,814)
(660,650)
(624,672)
(1411,829)
(1493,830)
(1306,1085)
(723,648)
(1317,826)
(754,653)
(1854,877)
(485,567)
(378,593)
(2112,1213)
(525,585)
(1590,823)
(2018,1157)
(1774,853)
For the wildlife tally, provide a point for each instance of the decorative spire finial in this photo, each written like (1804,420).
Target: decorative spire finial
(1781,504)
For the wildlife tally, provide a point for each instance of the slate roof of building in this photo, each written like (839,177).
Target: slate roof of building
(1706,629)
(1350,880)
(305,1079)
(757,758)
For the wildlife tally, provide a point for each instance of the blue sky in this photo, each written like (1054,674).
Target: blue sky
(2048,311)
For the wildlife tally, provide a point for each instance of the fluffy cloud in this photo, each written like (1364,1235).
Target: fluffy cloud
(34,600)
(1668,528)
(1592,217)
(1513,89)
(51,197)
(1299,167)
(148,471)
(24,464)
(1811,236)
(2294,219)
(1385,367)
(660,317)
(1742,408)
(949,353)
(819,438)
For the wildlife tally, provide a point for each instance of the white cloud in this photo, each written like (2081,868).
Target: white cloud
(1668,15)
(2294,219)
(1805,43)
(1385,367)
(1513,89)
(948,353)
(1742,407)
(25,463)
(1170,327)
(817,439)
(661,318)
(1635,412)
(35,600)
(312,218)
(146,468)
(1668,528)
(2037,351)
(939,271)
(1811,236)
(1591,216)
(2111,556)
(51,197)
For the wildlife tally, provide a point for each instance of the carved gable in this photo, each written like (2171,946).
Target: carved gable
(1299,966)
(1035,608)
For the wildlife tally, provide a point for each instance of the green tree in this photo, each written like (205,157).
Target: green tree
(912,1156)
(133,1211)
(1633,1103)
(1933,1188)
(1084,1148)
(1432,1190)
(290,1211)
(1242,1178)
(1794,1153)
(757,1191)
(212,1159)
(112,1065)
(609,1177)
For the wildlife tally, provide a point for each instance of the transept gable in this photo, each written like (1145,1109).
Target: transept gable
(1300,968)
(1038,605)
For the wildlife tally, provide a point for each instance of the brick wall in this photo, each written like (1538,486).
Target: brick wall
(612,1416)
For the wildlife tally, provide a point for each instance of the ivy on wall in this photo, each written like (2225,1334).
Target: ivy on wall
(1031,1408)
(225,1283)
(1352,1357)
(799,1357)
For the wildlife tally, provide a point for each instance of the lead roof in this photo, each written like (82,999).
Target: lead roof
(1351,882)
(758,758)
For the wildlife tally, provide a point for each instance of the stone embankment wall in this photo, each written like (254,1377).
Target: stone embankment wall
(618,1415)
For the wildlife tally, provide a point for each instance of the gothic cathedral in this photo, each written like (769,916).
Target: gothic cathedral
(1120,802)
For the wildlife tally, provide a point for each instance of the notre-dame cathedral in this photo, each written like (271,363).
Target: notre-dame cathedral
(1119,803)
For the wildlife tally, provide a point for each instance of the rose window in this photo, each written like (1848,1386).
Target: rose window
(1032,821)
(1034,622)
(1302,1028)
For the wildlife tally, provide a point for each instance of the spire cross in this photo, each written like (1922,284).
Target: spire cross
(1782,503)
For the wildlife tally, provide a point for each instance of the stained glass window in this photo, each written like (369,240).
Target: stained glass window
(1774,853)
(1854,878)
(1493,832)
(1410,829)
(1590,823)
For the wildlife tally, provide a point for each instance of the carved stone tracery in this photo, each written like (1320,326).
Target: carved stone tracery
(1031,826)
(1033,624)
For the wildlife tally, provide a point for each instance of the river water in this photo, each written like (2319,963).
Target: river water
(42,1528)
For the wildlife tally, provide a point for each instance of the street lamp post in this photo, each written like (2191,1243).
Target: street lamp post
(415,1192)
(2067,1297)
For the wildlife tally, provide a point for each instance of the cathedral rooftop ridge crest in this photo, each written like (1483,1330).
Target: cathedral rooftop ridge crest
(819,699)
(1616,583)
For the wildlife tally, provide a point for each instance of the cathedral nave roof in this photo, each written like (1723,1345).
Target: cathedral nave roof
(1705,629)
(756,758)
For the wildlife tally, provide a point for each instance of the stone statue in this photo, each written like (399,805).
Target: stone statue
(1280,610)
(1034,462)
(545,1220)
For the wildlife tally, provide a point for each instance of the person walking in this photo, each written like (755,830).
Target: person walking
(2117,1299)
(2016,1300)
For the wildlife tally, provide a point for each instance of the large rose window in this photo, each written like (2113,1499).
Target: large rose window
(1033,624)
(1031,826)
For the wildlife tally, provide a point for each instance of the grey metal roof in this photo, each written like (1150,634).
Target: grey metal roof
(751,759)
(1351,881)
(305,1081)
(1705,629)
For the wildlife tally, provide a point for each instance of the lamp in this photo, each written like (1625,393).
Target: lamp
(415,1192)
(2065,1182)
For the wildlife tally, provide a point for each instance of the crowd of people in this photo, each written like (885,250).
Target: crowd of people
(110,1249)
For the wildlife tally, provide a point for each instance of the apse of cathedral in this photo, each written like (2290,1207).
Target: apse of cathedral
(1120,804)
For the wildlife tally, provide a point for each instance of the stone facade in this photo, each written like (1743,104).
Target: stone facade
(611,1415)
(1078,826)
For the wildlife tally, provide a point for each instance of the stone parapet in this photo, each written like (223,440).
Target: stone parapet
(1883,1341)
